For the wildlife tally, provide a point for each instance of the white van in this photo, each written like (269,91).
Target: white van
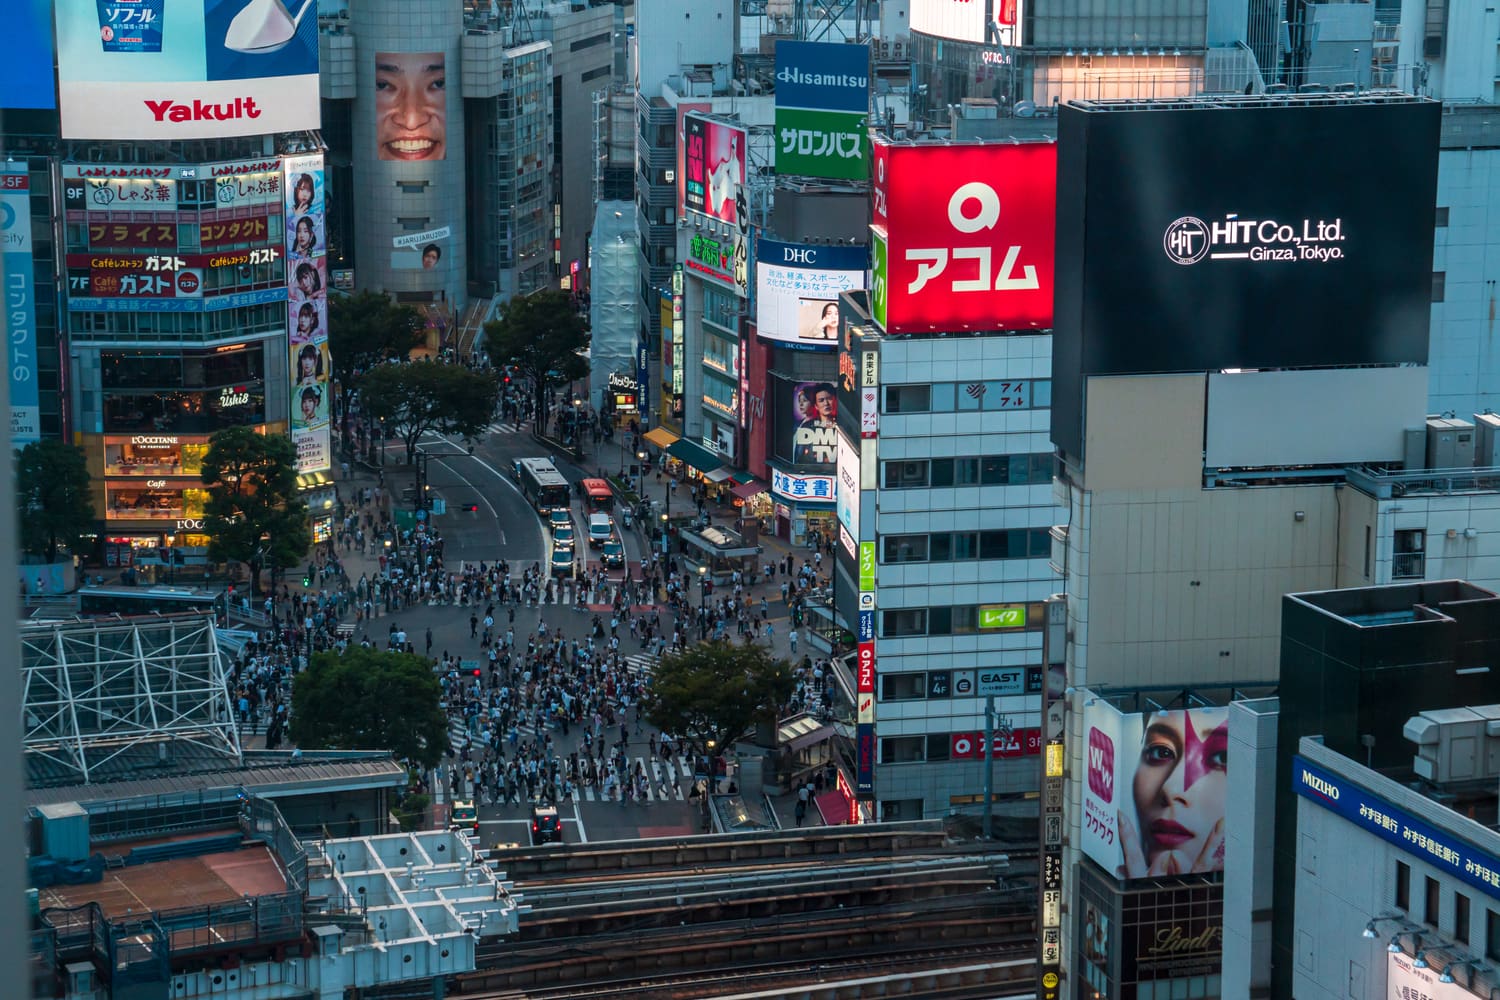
(601,529)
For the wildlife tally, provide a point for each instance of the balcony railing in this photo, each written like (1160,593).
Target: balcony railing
(1409,566)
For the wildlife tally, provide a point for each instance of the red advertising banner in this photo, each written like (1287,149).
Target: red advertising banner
(970,746)
(864,681)
(970,231)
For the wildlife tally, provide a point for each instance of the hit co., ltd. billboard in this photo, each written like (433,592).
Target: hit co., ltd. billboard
(186,69)
(20,303)
(1155,788)
(822,106)
(307,312)
(713,163)
(797,290)
(963,236)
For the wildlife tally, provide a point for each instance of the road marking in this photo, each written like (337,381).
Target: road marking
(583,837)
(486,500)
(541,534)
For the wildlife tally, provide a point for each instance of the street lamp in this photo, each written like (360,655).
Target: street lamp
(171,559)
(703,589)
(577,428)
(664,547)
(640,474)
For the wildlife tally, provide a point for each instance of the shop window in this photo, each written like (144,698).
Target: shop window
(903,687)
(908,398)
(1403,886)
(1492,935)
(1432,901)
(896,624)
(1461,918)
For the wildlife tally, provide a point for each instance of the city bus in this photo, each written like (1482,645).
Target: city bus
(542,485)
(598,498)
(120,600)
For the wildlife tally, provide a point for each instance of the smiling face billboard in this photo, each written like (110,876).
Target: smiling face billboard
(186,69)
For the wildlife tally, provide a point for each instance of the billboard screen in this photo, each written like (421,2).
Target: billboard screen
(846,498)
(1153,799)
(822,105)
(411,106)
(814,421)
(307,313)
(964,20)
(20,303)
(186,69)
(26,72)
(713,168)
(797,291)
(1199,239)
(968,237)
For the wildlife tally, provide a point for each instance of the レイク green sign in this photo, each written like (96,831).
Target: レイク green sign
(866,565)
(878,279)
(1002,616)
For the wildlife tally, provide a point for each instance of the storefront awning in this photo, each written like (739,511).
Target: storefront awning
(833,807)
(720,474)
(695,455)
(660,436)
(747,490)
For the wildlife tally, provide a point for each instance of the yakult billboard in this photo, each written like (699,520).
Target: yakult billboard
(964,236)
(186,69)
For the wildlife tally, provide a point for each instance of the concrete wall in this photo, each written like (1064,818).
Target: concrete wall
(1249,844)
(1173,583)
(1464,363)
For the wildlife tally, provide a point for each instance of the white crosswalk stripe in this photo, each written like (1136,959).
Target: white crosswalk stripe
(505,427)
(641,663)
(667,781)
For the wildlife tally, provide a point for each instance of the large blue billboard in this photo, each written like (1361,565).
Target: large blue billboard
(823,76)
(26,71)
(20,303)
(1395,825)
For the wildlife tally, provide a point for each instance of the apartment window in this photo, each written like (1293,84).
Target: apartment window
(1430,903)
(908,398)
(1408,558)
(1492,935)
(1439,286)
(1461,918)
(1403,887)
(905,475)
(903,687)
(1440,220)
(905,622)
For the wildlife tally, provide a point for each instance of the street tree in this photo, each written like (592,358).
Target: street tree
(713,692)
(253,513)
(423,396)
(52,498)
(541,335)
(366,329)
(364,699)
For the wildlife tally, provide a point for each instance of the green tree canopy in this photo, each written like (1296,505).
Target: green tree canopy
(367,328)
(253,512)
(427,396)
(540,334)
(715,691)
(363,699)
(52,497)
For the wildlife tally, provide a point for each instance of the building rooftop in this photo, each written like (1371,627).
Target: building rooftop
(1395,604)
(173,883)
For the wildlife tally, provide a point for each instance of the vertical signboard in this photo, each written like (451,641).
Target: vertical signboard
(1054,714)
(20,303)
(822,104)
(679,360)
(186,69)
(864,694)
(307,312)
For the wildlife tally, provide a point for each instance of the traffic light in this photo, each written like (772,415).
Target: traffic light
(476,672)
(306,580)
